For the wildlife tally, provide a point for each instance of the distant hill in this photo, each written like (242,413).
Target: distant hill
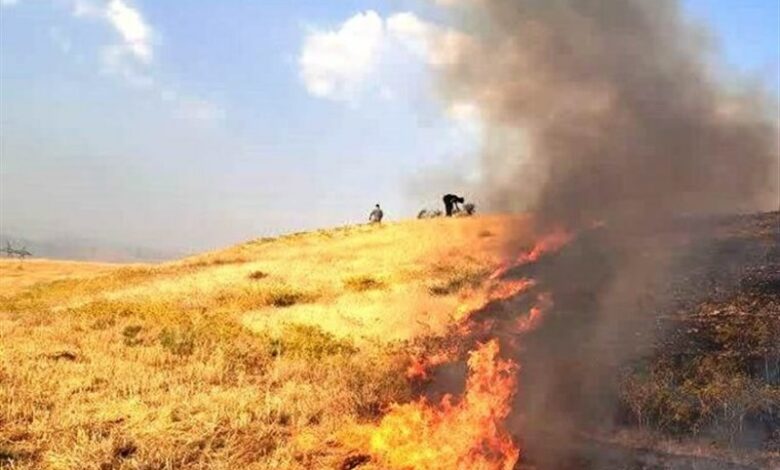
(85,249)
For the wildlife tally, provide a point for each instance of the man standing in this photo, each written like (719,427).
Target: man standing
(451,202)
(376,215)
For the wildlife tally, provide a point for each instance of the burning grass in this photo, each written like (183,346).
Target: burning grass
(455,433)
(167,366)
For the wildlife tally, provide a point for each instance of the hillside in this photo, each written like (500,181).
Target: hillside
(289,352)
(207,361)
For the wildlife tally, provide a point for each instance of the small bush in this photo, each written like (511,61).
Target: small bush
(456,278)
(130,335)
(178,341)
(262,295)
(257,275)
(309,342)
(363,283)
(286,297)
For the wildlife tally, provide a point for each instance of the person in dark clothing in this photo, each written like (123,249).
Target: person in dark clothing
(376,215)
(451,202)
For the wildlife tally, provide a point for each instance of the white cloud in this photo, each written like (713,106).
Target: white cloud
(131,58)
(340,64)
(335,64)
(134,32)
(133,29)
(434,44)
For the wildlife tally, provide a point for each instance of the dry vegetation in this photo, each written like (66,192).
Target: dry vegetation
(253,357)
(261,355)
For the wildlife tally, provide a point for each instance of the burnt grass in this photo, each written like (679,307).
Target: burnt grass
(675,334)
(672,333)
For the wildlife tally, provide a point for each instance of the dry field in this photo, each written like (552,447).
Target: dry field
(257,356)
(293,352)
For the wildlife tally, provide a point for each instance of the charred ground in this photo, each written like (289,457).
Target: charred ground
(694,359)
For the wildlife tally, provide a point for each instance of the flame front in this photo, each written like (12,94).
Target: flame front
(419,367)
(468,434)
(551,242)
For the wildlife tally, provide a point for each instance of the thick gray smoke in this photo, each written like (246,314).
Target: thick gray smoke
(606,110)
(617,109)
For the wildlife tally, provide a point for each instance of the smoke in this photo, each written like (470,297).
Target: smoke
(614,109)
(605,111)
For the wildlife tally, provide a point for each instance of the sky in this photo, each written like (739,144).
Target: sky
(187,126)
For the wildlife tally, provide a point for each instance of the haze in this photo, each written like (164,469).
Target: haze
(186,128)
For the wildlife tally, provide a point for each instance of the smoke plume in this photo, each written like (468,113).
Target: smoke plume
(605,111)
(615,111)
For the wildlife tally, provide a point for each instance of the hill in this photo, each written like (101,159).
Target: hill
(209,359)
(291,353)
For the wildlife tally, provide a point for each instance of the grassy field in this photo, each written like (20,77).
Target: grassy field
(289,352)
(257,356)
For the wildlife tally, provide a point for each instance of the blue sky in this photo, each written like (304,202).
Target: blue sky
(188,126)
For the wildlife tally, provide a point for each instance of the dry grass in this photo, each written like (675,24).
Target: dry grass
(203,363)
(16,275)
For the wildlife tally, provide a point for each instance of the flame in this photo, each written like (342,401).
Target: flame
(465,433)
(510,288)
(551,242)
(468,434)
(419,367)
(534,318)
(496,291)
(554,241)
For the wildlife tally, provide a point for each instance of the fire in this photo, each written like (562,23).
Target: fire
(466,434)
(534,317)
(552,242)
(549,243)
(510,288)
(496,291)
(419,367)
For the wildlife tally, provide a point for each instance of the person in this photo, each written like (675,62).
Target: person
(376,215)
(451,202)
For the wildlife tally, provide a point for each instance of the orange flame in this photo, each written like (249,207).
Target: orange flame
(502,290)
(468,434)
(535,315)
(419,367)
(551,242)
